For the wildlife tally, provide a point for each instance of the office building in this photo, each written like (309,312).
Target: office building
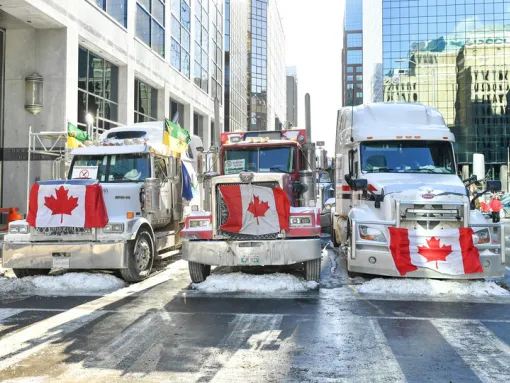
(292,97)
(266,63)
(121,61)
(352,53)
(451,55)
(236,64)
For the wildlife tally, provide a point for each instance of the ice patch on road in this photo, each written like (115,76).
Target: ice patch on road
(431,287)
(67,284)
(240,282)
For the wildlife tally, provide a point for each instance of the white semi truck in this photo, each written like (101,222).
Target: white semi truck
(400,201)
(141,184)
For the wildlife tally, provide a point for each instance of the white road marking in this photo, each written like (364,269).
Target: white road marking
(6,313)
(483,352)
(33,339)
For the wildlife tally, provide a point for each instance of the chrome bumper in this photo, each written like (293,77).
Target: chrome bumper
(81,255)
(251,253)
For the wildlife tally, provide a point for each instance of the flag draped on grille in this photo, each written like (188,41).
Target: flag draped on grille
(175,137)
(450,251)
(255,210)
(64,205)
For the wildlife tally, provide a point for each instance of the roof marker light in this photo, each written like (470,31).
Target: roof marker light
(399,137)
(266,139)
(369,138)
(252,140)
(259,139)
(445,138)
(409,136)
(417,136)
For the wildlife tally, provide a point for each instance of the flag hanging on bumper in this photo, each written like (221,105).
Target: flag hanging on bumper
(67,206)
(255,210)
(451,251)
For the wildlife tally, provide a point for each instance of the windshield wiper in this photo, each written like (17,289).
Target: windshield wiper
(383,170)
(421,170)
(276,168)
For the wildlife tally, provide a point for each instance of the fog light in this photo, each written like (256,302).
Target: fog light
(372,260)
(486,263)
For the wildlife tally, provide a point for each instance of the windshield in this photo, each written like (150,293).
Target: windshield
(256,159)
(407,157)
(132,167)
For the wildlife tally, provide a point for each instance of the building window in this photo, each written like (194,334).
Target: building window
(359,77)
(349,94)
(180,43)
(359,69)
(217,51)
(146,101)
(201,71)
(117,9)
(97,89)
(354,57)
(359,86)
(354,40)
(359,95)
(350,78)
(150,24)
(350,69)
(350,86)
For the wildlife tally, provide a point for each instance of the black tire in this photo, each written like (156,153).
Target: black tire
(198,271)
(333,237)
(313,270)
(140,258)
(22,273)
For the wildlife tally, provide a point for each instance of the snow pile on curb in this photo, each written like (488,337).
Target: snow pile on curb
(240,282)
(431,287)
(70,283)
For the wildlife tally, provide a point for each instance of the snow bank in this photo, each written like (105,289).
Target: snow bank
(240,282)
(70,283)
(431,287)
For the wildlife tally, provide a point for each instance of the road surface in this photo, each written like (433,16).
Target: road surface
(161,330)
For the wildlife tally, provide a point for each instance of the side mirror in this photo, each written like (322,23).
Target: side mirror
(359,184)
(494,186)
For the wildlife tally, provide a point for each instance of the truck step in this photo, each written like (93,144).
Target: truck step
(167,254)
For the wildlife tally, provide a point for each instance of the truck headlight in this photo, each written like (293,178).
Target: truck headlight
(18,229)
(113,228)
(199,223)
(482,236)
(303,221)
(371,234)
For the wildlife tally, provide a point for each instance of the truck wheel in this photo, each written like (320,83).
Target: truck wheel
(313,270)
(140,258)
(22,273)
(333,237)
(198,271)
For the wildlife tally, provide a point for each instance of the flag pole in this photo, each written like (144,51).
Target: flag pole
(28,166)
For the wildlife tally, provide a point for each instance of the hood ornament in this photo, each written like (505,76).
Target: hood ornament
(246,177)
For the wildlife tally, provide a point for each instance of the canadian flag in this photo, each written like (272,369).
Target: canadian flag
(449,251)
(255,210)
(67,205)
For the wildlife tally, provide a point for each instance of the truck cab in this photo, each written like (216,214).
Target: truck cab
(259,163)
(141,185)
(396,169)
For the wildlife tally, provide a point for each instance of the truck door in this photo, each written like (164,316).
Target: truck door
(161,173)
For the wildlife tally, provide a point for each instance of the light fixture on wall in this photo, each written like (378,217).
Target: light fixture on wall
(34,94)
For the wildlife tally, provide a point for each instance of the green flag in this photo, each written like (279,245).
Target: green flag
(73,131)
(175,137)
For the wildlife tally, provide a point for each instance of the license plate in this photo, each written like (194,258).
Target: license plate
(250,260)
(61,262)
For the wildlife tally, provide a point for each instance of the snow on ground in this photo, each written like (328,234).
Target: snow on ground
(431,287)
(66,284)
(240,282)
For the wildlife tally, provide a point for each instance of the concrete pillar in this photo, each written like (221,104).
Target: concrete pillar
(164,103)
(126,94)
(71,98)
(503,176)
(206,132)
(187,119)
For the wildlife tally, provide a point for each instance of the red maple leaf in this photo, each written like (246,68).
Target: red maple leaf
(258,208)
(62,204)
(434,252)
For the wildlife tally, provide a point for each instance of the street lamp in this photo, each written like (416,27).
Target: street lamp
(34,94)
(431,72)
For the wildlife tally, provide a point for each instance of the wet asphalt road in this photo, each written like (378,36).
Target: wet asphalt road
(161,331)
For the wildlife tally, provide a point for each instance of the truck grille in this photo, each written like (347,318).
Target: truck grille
(222,214)
(60,231)
(430,216)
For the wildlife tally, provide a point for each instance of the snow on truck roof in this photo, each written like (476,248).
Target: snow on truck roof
(142,137)
(390,121)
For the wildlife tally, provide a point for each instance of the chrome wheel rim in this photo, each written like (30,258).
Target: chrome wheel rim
(142,253)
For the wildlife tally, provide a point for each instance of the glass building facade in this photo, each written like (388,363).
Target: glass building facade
(236,65)
(267,73)
(454,55)
(352,55)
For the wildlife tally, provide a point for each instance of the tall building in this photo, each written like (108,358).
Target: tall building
(266,63)
(451,56)
(292,97)
(236,64)
(352,54)
(122,61)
